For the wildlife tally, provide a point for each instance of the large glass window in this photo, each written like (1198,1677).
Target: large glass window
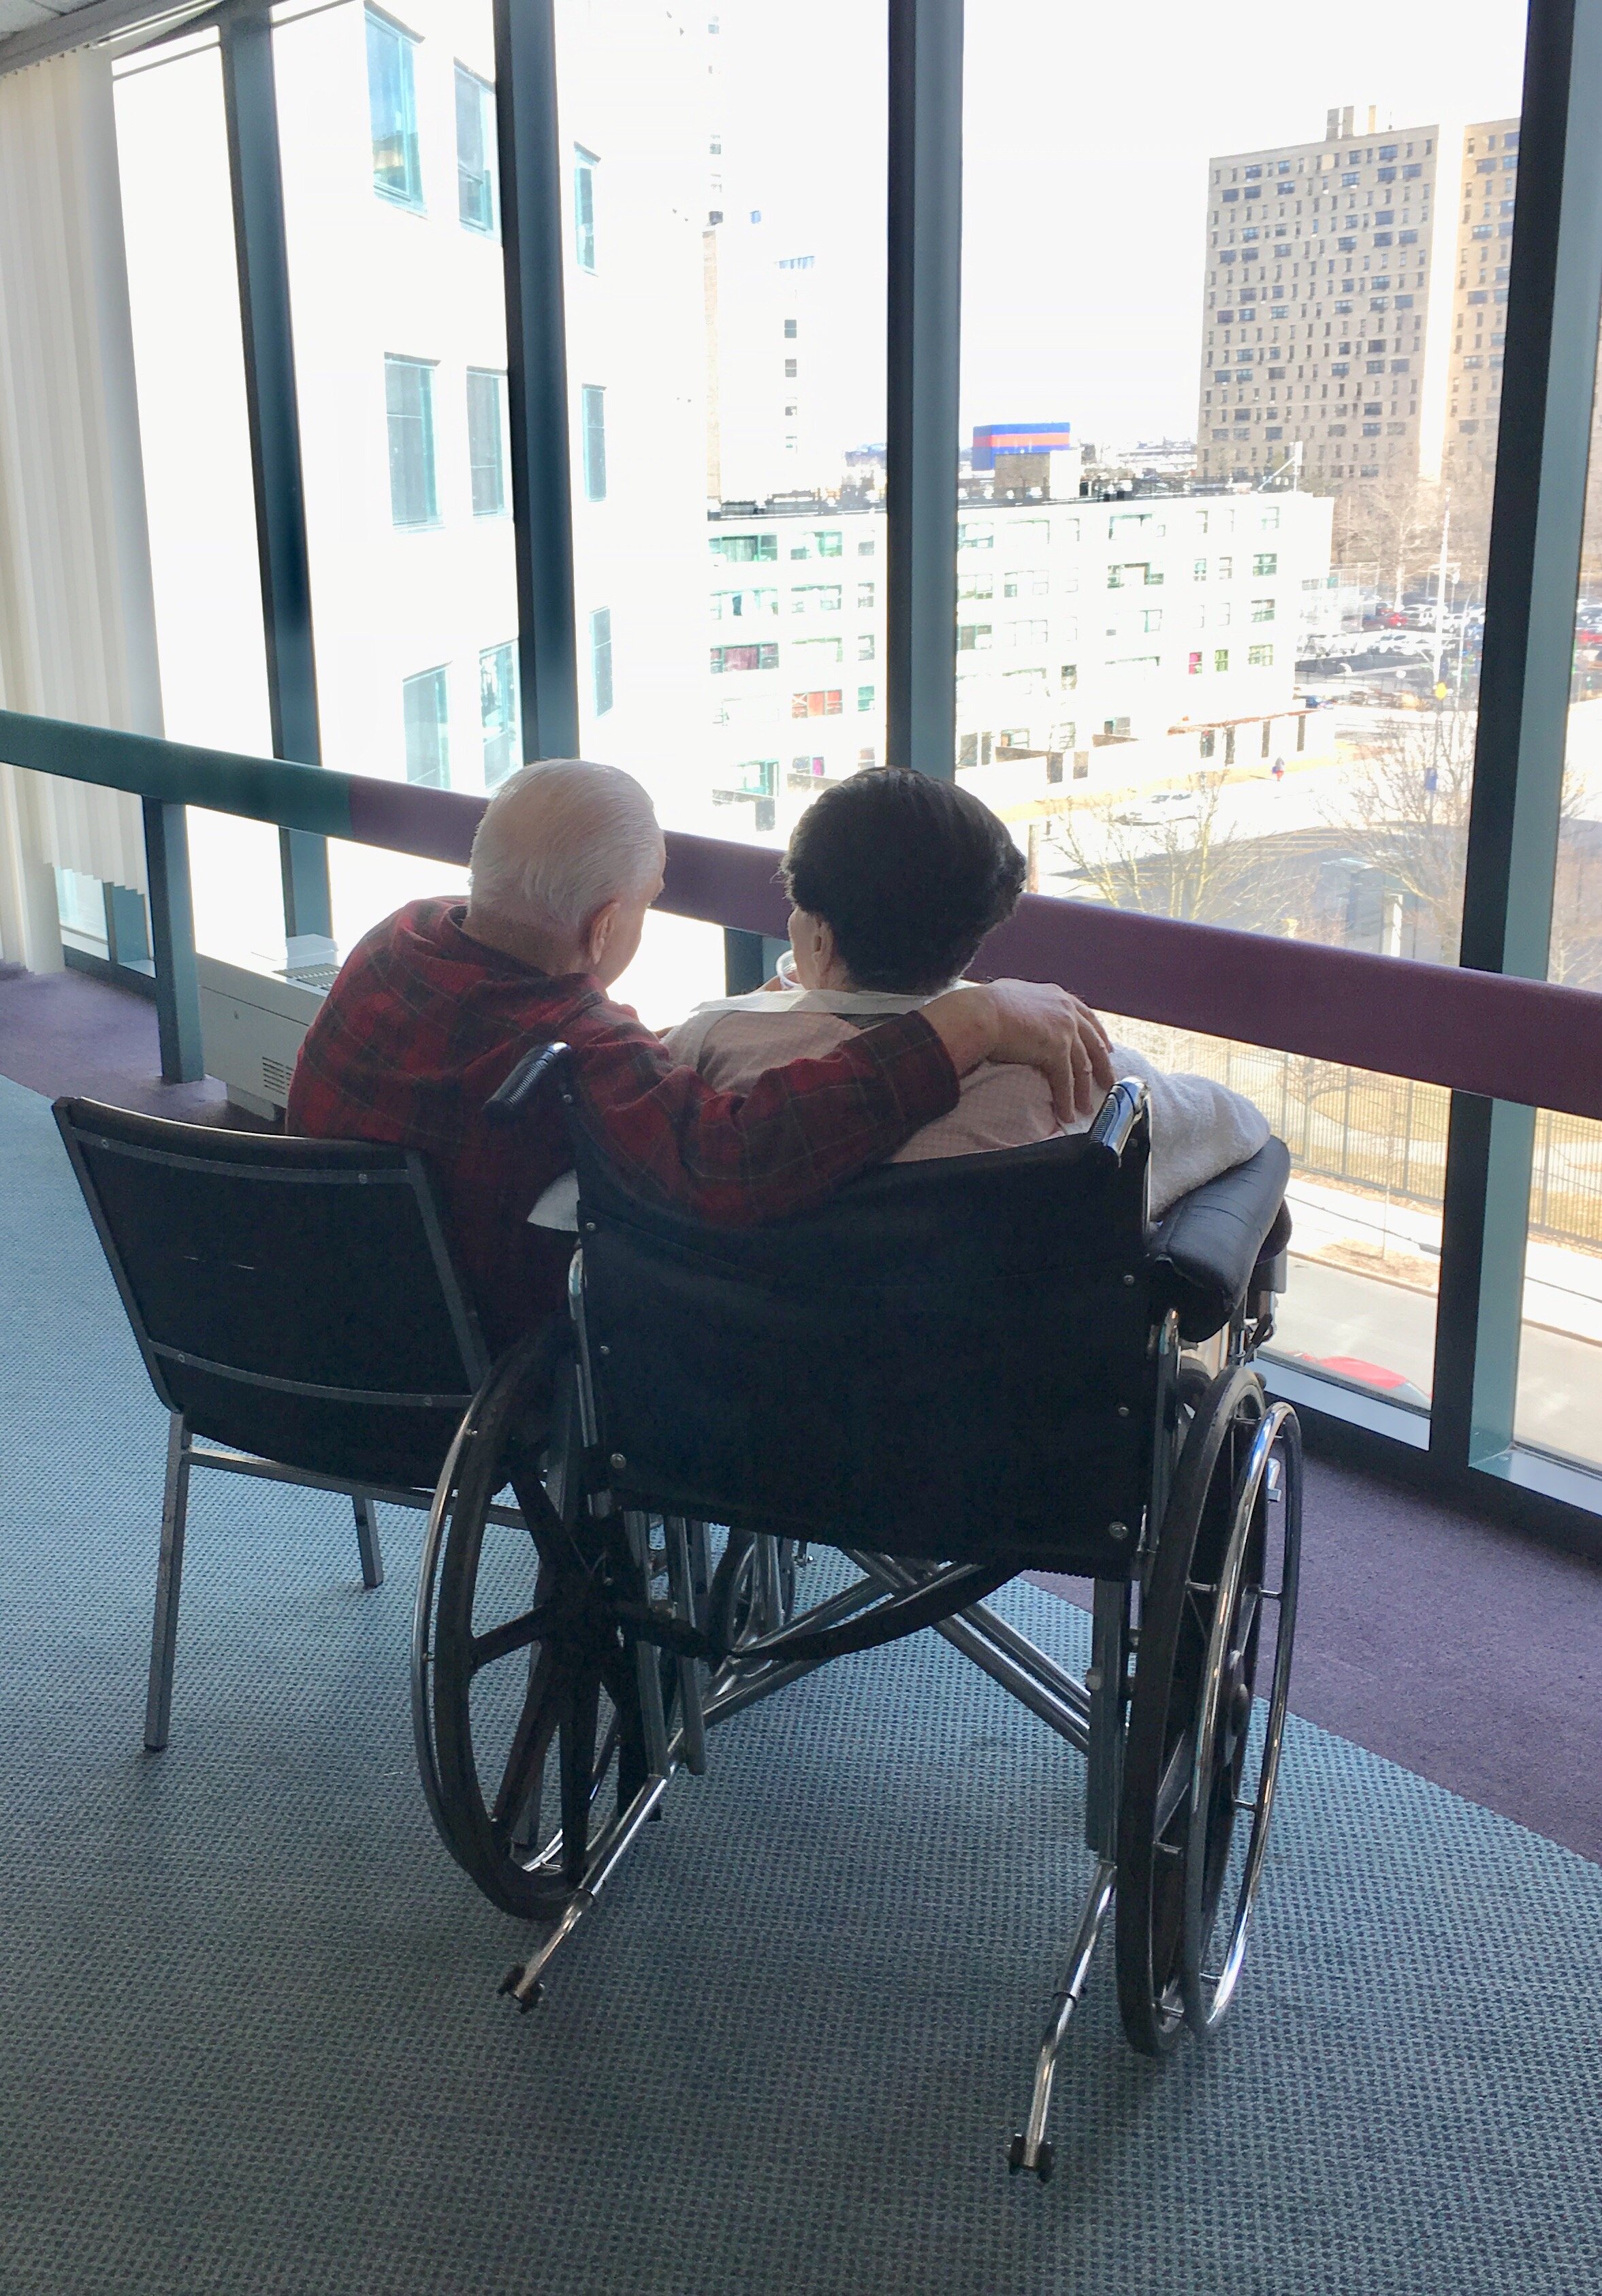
(172,165)
(725,316)
(392,103)
(409,403)
(487,441)
(1560,1349)
(411,557)
(426,710)
(475,150)
(1252,537)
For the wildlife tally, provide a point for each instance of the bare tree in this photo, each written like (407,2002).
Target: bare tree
(1404,810)
(1197,866)
(1392,521)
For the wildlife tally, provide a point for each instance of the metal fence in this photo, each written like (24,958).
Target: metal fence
(1387,1135)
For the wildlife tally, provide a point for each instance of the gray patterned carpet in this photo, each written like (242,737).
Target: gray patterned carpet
(251,2035)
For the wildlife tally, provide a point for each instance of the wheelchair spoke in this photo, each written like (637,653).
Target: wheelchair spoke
(1175,1782)
(516,1634)
(581,1711)
(530,1745)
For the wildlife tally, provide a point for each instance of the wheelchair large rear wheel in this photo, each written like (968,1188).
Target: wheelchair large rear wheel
(527,1715)
(1217,1616)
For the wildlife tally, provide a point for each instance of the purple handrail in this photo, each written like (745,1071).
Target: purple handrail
(1531,1041)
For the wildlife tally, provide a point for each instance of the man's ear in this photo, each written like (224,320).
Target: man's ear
(598,933)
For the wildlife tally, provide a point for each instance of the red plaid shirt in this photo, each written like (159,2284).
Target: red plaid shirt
(424,1023)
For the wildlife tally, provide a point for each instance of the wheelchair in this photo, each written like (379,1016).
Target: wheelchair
(951,1372)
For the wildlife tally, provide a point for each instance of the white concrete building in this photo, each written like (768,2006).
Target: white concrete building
(396,267)
(1081,627)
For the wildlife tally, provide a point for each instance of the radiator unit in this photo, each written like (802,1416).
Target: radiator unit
(253,1018)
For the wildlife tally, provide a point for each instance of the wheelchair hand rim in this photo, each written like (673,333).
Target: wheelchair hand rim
(1206,1997)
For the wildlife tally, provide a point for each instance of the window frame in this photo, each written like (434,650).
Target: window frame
(409,199)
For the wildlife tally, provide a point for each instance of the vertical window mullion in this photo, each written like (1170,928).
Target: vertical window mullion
(535,191)
(923,353)
(1554,298)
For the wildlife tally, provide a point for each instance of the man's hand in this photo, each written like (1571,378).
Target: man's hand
(1035,1024)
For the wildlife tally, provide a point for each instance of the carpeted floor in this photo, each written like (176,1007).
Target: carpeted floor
(252,2041)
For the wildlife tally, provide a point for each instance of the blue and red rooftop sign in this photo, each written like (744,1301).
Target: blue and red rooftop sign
(995,438)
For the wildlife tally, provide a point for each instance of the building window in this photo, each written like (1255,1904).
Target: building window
(1266,562)
(864,597)
(426,707)
(409,402)
(789,330)
(1207,745)
(585,164)
(593,398)
(744,549)
(1260,657)
(822,702)
(392,104)
(727,659)
(475,150)
(1220,658)
(1068,677)
(485,440)
(864,697)
(1194,665)
(974,638)
(601,659)
(864,646)
(498,712)
(1263,610)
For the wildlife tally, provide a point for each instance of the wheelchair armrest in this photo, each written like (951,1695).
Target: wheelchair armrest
(1206,1246)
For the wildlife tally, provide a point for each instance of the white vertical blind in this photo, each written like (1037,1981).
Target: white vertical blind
(77,632)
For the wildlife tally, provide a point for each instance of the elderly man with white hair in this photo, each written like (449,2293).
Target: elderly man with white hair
(431,1011)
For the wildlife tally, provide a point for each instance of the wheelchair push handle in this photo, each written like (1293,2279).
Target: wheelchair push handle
(511,1101)
(1124,1107)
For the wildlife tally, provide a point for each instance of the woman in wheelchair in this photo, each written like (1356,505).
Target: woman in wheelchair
(896,880)
(962,1367)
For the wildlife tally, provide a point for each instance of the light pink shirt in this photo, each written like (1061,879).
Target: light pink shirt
(1199,1129)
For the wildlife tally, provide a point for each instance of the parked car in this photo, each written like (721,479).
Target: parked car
(1356,1371)
(1157,810)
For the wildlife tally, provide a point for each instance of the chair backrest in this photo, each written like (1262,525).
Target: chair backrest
(951,1358)
(295,1299)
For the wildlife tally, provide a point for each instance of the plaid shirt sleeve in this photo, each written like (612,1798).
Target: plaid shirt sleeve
(737,1159)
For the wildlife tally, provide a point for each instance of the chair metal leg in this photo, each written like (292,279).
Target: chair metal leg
(169,1573)
(367,1540)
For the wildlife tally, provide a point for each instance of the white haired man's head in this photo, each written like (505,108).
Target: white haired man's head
(566,861)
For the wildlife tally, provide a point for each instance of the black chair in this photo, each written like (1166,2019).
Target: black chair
(294,1300)
(952,1372)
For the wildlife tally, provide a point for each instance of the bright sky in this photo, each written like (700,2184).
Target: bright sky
(1089,131)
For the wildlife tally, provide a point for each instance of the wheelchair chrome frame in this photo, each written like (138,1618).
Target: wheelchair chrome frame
(1089,1713)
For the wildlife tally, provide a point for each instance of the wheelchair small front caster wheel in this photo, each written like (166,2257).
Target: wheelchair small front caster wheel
(1043,2158)
(510,1984)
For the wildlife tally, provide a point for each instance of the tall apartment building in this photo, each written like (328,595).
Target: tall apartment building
(1347,284)
(1489,183)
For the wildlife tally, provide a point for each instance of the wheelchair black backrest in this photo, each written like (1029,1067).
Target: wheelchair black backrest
(951,1358)
(295,1299)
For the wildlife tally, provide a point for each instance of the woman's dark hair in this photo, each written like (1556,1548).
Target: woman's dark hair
(910,873)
